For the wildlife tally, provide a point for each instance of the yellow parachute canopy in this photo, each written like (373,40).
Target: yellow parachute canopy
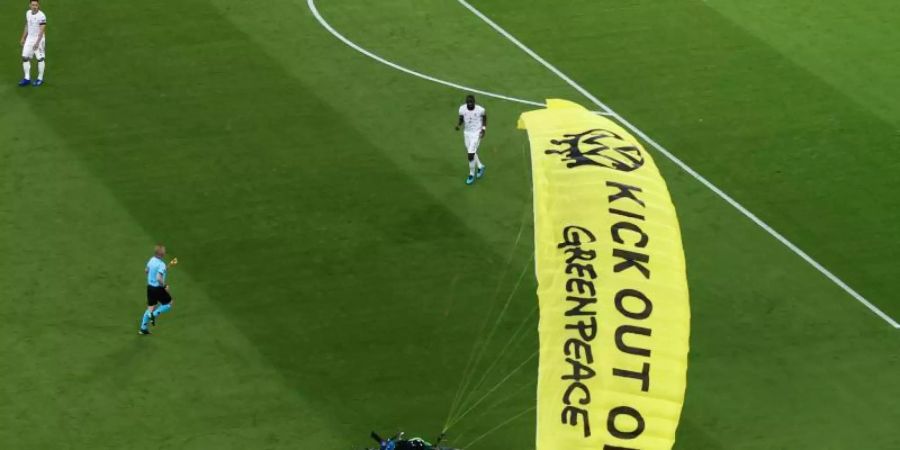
(614,311)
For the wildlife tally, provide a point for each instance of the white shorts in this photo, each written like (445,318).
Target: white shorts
(472,141)
(28,50)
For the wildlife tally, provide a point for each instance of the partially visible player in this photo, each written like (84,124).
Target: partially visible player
(159,301)
(473,119)
(398,442)
(33,43)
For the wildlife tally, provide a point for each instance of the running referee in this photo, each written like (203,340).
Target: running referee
(159,300)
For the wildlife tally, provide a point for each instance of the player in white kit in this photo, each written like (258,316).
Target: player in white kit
(473,119)
(33,43)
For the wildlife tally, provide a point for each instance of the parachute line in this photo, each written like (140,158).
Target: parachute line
(491,391)
(504,399)
(464,394)
(512,340)
(477,353)
(501,425)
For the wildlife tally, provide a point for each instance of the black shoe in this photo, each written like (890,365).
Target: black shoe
(143,331)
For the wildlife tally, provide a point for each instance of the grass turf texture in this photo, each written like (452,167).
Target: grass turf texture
(335,271)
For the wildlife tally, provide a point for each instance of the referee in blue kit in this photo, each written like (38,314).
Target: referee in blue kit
(159,301)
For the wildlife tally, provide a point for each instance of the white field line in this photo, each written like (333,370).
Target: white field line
(605,111)
(351,44)
(686,168)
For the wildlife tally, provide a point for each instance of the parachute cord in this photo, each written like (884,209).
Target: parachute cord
(471,392)
(501,425)
(491,391)
(460,436)
(472,363)
(505,399)
(469,370)
(484,347)
(502,352)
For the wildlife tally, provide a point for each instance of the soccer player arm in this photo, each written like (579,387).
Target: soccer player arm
(459,122)
(40,37)
(24,34)
(161,278)
(483,124)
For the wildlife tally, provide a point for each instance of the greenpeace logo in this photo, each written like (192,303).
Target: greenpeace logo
(598,147)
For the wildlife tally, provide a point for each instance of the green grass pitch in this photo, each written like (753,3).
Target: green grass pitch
(335,270)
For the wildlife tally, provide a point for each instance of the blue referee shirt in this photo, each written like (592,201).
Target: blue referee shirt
(155,266)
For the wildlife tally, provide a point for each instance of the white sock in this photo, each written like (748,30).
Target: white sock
(472,167)
(27,66)
(41,65)
(478,162)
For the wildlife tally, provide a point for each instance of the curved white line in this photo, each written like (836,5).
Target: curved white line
(607,111)
(315,11)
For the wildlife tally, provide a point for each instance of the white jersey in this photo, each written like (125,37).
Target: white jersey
(34,22)
(472,119)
